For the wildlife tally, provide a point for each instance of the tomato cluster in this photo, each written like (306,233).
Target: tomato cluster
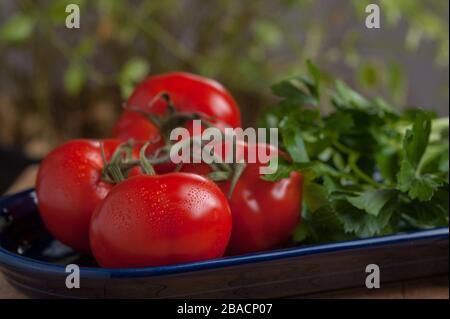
(108,198)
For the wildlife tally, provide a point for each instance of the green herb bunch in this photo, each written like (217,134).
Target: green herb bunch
(368,169)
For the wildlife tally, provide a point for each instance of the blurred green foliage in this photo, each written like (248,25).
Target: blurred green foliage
(247,45)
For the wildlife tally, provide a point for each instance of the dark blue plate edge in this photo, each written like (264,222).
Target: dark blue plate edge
(17,262)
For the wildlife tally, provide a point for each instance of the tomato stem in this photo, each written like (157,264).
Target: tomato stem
(174,118)
(145,163)
(238,169)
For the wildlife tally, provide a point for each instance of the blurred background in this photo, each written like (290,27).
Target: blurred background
(58,83)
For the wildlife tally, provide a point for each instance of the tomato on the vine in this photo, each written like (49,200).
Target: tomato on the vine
(69,186)
(264,213)
(160,220)
(188,93)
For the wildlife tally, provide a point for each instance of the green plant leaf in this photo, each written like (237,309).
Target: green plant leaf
(315,196)
(132,72)
(420,186)
(372,201)
(301,232)
(74,78)
(284,169)
(324,225)
(347,98)
(387,161)
(293,90)
(415,141)
(429,214)
(267,33)
(316,76)
(361,223)
(293,140)
(410,179)
(17,28)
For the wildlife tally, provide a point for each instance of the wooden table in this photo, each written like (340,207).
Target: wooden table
(431,287)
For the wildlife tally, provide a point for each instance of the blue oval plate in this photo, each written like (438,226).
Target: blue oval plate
(34,262)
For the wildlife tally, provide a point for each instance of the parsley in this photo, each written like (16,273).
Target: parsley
(369,170)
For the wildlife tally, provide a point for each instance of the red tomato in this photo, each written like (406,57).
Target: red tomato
(264,213)
(69,187)
(160,220)
(188,93)
(133,125)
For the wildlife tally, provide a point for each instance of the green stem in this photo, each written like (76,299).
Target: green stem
(219,176)
(145,163)
(116,173)
(358,172)
(238,169)
(343,148)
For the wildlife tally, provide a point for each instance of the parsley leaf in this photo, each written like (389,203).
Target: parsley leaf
(410,178)
(372,200)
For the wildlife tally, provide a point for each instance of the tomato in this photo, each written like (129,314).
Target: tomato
(133,125)
(69,187)
(160,220)
(188,93)
(264,213)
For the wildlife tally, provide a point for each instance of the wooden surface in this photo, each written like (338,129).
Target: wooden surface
(431,287)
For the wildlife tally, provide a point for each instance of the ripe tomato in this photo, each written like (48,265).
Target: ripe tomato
(188,93)
(160,220)
(264,213)
(69,187)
